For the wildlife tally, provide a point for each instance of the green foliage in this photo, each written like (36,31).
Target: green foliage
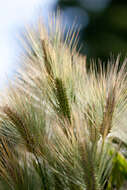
(119,172)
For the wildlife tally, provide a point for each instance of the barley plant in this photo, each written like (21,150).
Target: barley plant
(63,127)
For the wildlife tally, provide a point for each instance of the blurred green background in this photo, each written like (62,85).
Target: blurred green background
(103,26)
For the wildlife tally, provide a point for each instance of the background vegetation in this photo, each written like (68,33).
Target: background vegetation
(107,27)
